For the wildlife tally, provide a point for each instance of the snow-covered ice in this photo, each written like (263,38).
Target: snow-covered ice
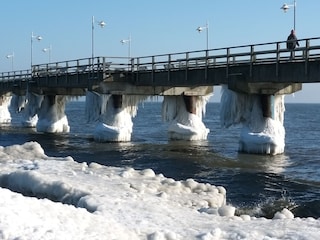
(45,197)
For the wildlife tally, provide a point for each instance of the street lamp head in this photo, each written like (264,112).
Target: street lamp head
(285,7)
(39,38)
(101,24)
(199,29)
(123,41)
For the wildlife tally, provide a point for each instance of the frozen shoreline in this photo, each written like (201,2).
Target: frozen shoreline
(100,202)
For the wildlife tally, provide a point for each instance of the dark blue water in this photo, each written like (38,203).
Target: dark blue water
(257,185)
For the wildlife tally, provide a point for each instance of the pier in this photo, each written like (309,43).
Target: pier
(250,72)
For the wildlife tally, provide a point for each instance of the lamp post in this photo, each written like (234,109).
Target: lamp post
(11,56)
(48,49)
(39,38)
(127,41)
(206,27)
(285,7)
(101,24)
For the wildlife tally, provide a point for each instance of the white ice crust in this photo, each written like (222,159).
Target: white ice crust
(182,124)
(89,201)
(113,124)
(259,134)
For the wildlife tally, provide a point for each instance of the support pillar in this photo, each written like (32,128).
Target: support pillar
(266,105)
(30,111)
(115,116)
(5,116)
(51,115)
(261,117)
(117,101)
(190,102)
(184,117)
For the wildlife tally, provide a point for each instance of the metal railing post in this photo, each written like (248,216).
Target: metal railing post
(169,67)
(207,65)
(187,66)
(277,59)
(306,60)
(252,59)
(228,62)
(137,70)
(132,64)
(153,68)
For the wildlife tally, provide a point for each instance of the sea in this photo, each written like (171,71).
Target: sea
(257,185)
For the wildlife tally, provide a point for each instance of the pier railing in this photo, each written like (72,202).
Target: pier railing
(264,53)
(273,53)
(15,75)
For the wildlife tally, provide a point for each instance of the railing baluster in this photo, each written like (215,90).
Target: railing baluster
(306,60)
(228,62)
(187,66)
(277,60)
(252,59)
(169,67)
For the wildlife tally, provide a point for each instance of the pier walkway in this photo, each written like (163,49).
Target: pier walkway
(260,68)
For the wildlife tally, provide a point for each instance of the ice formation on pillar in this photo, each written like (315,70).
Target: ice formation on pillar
(28,105)
(18,103)
(5,116)
(260,135)
(52,118)
(184,125)
(114,119)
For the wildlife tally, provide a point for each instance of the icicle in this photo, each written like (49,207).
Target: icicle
(116,123)
(18,103)
(32,106)
(5,116)
(93,106)
(184,125)
(259,134)
(52,116)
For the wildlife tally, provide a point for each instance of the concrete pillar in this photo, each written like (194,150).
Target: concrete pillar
(185,120)
(115,122)
(266,105)
(190,102)
(51,99)
(117,101)
(5,116)
(51,115)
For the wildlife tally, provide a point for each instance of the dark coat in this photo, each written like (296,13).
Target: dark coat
(292,41)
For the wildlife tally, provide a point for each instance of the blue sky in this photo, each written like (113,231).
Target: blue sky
(156,26)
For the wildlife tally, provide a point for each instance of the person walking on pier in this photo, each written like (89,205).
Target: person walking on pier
(292,42)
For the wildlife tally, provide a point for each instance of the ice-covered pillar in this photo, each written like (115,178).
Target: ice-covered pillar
(117,101)
(5,116)
(261,117)
(184,114)
(114,113)
(51,115)
(190,102)
(266,105)
(29,106)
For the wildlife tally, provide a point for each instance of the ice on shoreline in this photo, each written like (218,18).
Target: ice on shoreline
(79,201)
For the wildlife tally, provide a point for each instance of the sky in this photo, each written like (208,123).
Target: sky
(122,203)
(156,27)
